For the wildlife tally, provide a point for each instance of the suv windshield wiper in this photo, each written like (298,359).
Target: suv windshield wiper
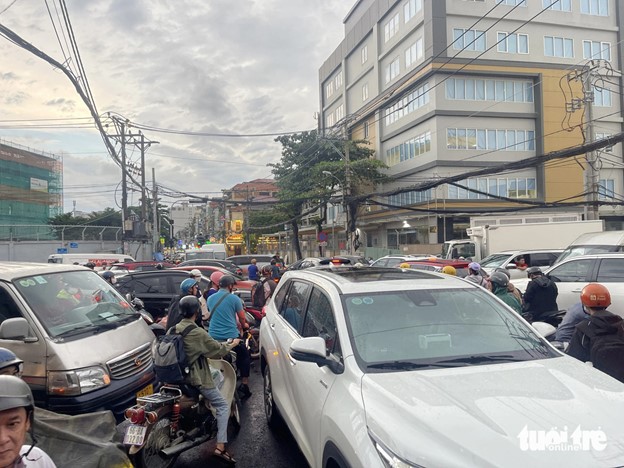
(91,328)
(477,359)
(406,365)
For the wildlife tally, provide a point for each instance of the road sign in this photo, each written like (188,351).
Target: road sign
(73,245)
(61,251)
(321,236)
(322,244)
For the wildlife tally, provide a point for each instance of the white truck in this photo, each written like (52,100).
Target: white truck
(492,238)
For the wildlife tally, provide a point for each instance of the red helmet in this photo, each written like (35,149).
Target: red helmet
(216,277)
(595,295)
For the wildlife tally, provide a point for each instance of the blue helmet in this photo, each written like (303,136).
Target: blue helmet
(8,359)
(187,284)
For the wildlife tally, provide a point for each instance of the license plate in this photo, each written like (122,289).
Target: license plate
(145,391)
(134,435)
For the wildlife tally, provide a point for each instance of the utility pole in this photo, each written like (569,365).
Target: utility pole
(155,228)
(592,176)
(347,189)
(124,184)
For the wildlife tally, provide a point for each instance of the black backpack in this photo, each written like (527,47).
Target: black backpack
(170,362)
(257,294)
(607,354)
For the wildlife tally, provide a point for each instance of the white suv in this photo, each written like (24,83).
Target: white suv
(383,367)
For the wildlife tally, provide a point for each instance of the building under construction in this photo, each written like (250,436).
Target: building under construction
(31,186)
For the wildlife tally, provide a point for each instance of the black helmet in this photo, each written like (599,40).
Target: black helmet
(8,359)
(189,306)
(504,271)
(499,278)
(108,275)
(90,265)
(227,280)
(15,393)
(534,271)
(267,270)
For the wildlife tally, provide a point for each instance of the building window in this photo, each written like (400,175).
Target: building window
(410,198)
(468,39)
(606,189)
(558,47)
(602,97)
(392,70)
(329,120)
(409,149)
(329,89)
(559,5)
(414,53)
(508,187)
(513,43)
(391,28)
(339,112)
(595,7)
(365,130)
(364,54)
(596,50)
(414,100)
(511,2)
(410,8)
(490,139)
(364,92)
(339,79)
(489,90)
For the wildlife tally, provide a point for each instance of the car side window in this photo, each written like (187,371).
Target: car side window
(278,298)
(320,321)
(150,284)
(8,307)
(611,271)
(294,304)
(392,262)
(574,271)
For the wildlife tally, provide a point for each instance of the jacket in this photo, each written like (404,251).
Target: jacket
(601,322)
(199,346)
(508,298)
(540,296)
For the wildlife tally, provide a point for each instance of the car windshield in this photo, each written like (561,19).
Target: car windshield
(74,302)
(576,250)
(200,255)
(494,260)
(436,328)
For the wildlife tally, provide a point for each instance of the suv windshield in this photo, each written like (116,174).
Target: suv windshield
(74,302)
(494,260)
(576,250)
(436,328)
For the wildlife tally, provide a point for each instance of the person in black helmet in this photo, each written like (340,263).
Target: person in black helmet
(109,276)
(198,347)
(540,295)
(499,282)
(10,364)
(16,419)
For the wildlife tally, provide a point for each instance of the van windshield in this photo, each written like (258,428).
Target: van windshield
(576,250)
(70,303)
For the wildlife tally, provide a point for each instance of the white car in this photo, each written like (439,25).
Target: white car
(383,367)
(507,260)
(574,273)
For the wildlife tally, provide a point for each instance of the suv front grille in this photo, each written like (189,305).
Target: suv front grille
(132,363)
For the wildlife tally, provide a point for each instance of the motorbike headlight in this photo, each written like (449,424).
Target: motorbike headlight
(77,382)
(389,459)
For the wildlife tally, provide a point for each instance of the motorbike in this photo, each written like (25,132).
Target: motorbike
(167,423)
(139,306)
(553,318)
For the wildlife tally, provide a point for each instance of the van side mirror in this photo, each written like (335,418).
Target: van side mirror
(16,329)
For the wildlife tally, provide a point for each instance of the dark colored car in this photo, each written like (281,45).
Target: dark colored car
(243,261)
(123,268)
(231,267)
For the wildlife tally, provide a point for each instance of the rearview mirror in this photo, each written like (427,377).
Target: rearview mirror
(313,349)
(16,329)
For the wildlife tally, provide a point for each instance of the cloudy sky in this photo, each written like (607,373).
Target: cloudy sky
(215,66)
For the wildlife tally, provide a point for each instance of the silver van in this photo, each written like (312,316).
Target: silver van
(84,347)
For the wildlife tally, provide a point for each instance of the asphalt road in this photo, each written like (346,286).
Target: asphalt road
(255,445)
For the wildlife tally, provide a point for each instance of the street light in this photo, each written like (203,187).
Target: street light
(344,207)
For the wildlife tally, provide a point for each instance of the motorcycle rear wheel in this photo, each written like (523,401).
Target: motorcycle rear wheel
(157,439)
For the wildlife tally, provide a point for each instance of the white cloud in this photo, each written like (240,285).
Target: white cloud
(222,66)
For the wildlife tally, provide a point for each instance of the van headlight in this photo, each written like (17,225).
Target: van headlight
(77,382)
(389,459)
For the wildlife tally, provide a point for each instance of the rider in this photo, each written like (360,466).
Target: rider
(214,282)
(10,364)
(252,270)
(499,282)
(474,275)
(199,346)
(449,270)
(188,287)
(268,285)
(17,407)
(224,308)
(540,296)
(197,276)
(510,287)
(109,276)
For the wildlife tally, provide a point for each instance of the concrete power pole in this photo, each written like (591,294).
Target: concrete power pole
(592,175)
(155,227)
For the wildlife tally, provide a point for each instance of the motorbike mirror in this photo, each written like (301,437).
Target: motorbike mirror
(546,330)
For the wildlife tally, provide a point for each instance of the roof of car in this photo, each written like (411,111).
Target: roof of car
(11,270)
(440,262)
(518,252)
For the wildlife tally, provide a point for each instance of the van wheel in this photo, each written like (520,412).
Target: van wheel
(157,439)
(274,419)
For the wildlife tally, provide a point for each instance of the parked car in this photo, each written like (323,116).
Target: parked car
(396,260)
(307,262)
(574,273)
(124,268)
(381,367)
(431,264)
(84,348)
(229,266)
(507,260)
(243,261)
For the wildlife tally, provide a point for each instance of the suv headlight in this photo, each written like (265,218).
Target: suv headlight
(389,459)
(77,382)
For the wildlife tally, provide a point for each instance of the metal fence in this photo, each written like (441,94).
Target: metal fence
(38,232)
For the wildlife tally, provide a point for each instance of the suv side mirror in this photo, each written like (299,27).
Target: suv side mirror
(313,349)
(16,329)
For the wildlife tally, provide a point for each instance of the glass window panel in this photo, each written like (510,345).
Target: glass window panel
(480,90)
(451,191)
(522,188)
(523,46)
(500,90)
(500,139)
(512,188)
(470,89)
(558,47)
(512,43)
(471,138)
(481,140)
(481,44)
(509,91)
(520,137)
(490,94)
(502,188)
(531,190)
(491,137)
(502,42)
(469,40)
(511,140)
(549,47)
(530,140)
(517,91)
(587,49)
(457,39)
(461,138)
(427,141)
(569,48)
(492,187)
(528,92)
(472,183)
(483,187)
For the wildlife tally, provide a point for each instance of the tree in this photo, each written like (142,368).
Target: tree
(303,185)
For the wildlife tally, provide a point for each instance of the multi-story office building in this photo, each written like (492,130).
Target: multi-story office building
(444,87)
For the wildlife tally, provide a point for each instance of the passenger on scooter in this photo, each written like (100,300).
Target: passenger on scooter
(474,275)
(10,364)
(574,315)
(499,283)
(109,276)
(214,283)
(188,287)
(224,308)
(510,287)
(197,276)
(198,347)
(540,295)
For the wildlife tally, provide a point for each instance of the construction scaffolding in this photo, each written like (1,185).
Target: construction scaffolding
(31,185)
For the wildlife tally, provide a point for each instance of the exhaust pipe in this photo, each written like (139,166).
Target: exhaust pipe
(169,452)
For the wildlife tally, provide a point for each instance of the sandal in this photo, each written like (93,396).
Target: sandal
(224,455)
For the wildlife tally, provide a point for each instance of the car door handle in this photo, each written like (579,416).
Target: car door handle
(577,291)
(272,325)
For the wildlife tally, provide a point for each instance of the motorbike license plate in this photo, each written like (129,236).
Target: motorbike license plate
(134,435)
(145,391)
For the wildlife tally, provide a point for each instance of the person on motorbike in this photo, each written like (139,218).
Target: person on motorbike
(188,287)
(449,270)
(10,364)
(224,308)
(197,276)
(214,283)
(573,316)
(109,276)
(510,287)
(474,275)
(499,282)
(17,407)
(540,296)
(268,284)
(198,347)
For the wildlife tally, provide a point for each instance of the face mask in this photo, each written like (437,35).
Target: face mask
(113,280)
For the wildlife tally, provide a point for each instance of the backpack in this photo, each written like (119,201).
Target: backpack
(257,294)
(607,354)
(170,362)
